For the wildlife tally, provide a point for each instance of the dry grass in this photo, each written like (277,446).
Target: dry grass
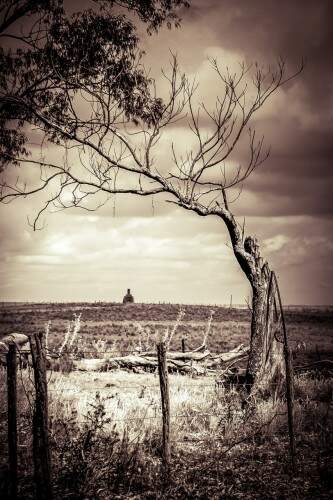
(106,438)
(106,427)
(132,400)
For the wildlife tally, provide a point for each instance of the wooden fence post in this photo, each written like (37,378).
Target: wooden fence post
(183,345)
(164,386)
(41,451)
(290,404)
(289,382)
(12,419)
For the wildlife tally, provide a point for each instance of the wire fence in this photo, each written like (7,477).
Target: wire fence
(178,384)
(154,386)
(122,351)
(37,382)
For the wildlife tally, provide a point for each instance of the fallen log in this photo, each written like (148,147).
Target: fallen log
(189,362)
(19,339)
(89,365)
(104,364)
(133,362)
(229,358)
(234,354)
(189,356)
(197,361)
(21,342)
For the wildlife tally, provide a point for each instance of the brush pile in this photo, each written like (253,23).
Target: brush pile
(198,362)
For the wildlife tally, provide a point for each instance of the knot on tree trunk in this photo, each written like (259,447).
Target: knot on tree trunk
(251,246)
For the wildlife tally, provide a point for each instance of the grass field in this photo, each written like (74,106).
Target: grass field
(105,427)
(120,327)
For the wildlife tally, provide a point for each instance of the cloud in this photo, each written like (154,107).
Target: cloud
(178,257)
(275,243)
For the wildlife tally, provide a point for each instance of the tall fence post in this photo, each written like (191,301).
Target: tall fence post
(164,386)
(41,451)
(183,345)
(290,404)
(12,419)
(289,382)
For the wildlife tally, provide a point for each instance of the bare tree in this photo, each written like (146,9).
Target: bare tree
(117,157)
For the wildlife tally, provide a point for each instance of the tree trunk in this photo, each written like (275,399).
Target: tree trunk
(265,365)
(254,366)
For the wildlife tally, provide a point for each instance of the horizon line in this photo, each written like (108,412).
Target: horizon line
(233,306)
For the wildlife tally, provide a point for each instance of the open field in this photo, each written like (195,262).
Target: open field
(105,427)
(120,327)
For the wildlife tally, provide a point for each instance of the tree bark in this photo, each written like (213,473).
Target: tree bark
(257,272)
(265,364)
(254,366)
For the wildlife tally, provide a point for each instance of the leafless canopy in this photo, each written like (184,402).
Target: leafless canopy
(103,153)
(108,144)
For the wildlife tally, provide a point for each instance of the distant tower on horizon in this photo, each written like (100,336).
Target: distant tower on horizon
(128,298)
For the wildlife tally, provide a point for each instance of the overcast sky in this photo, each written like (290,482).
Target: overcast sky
(165,254)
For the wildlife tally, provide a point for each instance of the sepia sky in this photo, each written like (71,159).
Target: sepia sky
(165,254)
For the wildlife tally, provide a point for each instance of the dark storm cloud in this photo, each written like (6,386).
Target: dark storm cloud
(265,30)
(299,170)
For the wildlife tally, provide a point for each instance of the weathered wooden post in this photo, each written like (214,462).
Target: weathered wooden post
(164,386)
(290,404)
(41,451)
(12,419)
(289,382)
(183,345)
